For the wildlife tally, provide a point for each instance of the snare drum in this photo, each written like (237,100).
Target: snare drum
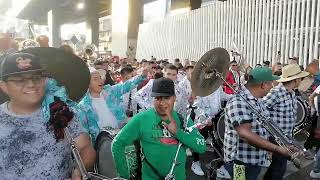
(105,163)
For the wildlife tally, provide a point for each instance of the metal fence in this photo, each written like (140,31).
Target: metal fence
(261,29)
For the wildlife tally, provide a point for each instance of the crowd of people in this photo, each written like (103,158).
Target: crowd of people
(150,101)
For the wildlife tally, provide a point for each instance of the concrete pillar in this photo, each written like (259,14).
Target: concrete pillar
(135,18)
(92,22)
(54,27)
(126,17)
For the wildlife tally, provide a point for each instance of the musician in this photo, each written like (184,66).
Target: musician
(185,97)
(31,147)
(102,104)
(129,106)
(143,96)
(233,78)
(245,140)
(282,105)
(209,107)
(43,40)
(159,131)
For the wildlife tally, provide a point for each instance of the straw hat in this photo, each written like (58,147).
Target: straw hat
(291,72)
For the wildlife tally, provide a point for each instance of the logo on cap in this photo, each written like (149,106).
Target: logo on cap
(23,63)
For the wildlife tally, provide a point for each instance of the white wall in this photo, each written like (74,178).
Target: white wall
(258,28)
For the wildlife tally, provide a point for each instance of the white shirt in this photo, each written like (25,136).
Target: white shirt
(211,105)
(125,101)
(184,92)
(106,118)
(180,76)
(143,96)
(317,91)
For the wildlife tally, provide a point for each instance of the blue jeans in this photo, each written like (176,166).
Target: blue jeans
(252,172)
(316,166)
(277,168)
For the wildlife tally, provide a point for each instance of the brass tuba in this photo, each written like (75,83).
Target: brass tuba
(29,43)
(90,53)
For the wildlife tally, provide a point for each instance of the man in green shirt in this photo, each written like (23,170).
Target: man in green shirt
(159,131)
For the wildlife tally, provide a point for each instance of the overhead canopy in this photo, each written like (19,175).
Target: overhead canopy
(37,10)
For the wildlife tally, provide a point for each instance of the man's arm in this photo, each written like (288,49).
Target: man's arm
(87,153)
(238,113)
(120,89)
(311,98)
(245,133)
(194,140)
(127,135)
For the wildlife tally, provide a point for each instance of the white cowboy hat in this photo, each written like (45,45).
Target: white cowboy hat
(291,72)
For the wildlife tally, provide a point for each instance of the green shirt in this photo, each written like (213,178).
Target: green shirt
(158,145)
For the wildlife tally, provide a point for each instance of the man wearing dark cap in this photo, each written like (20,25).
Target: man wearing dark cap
(245,139)
(159,131)
(31,146)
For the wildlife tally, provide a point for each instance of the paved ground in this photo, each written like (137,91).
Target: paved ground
(292,172)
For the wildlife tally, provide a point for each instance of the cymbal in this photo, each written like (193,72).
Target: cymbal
(68,69)
(204,79)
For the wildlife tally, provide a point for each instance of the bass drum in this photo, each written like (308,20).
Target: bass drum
(302,111)
(105,163)
(303,122)
(220,128)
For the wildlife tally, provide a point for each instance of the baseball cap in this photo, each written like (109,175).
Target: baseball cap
(19,63)
(163,87)
(261,74)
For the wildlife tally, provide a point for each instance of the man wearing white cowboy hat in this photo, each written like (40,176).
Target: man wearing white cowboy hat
(282,105)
